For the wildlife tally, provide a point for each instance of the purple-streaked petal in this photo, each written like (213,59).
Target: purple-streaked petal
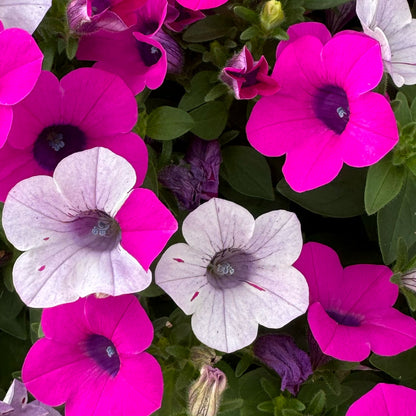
(102,181)
(16,395)
(146,226)
(181,272)
(218,224)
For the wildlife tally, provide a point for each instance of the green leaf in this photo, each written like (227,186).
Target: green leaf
(401,109)
(397,219)
(291,412)
(230,405)
(201,85)
(246,14)
(410,297)
(250,33)
(341,198)
(280,34)
(384,181)
(247,172)
(167,123)
(317,404)
(71,48)
(210,28)
(266,407)
(243,365)
(322,4)
(210,120)
(272,389)
(216,92)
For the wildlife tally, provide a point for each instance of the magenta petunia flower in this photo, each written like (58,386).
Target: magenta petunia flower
(87,108)
(20,66)
(235,273)
(88,16)
(324,114)
(247,77)
(385,400)
(15,403)
(84,233)
(201,4)
(136,54)
(179,17)
(351,310)
(92,359)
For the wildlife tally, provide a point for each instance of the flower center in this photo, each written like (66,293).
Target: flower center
(343,319)
(250,78)
(96,230)
(98,6)
(331,107)
(56,142)
(103,352)
(150,54)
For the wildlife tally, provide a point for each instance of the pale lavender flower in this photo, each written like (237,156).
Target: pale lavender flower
(235,273)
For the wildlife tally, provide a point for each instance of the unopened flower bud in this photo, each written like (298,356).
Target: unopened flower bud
(203,355)
(205,394)
(271,15)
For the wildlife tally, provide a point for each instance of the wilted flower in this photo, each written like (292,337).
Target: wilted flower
(202,354)
(324,114)
(15,403)
(205,394)
(247,77)
(25,15)
(84,233)
(235,273)
(179,17)
(385,400)
(271,15)
(351,310)
(92,359)
(391,24)
(282,354)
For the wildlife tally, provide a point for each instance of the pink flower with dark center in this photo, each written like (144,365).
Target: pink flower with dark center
(87,108)
(92,359)
(136,54)
(88,16)
(179,17)
(324,114)
(84,230)
(385,400)
(351,310)
(201,4)
(20,66)
(247,77)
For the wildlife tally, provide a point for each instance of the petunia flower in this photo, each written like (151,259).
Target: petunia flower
(84,230)
(24,14)
(87,108)
(324,114)
(92,359)
(337,17)
(281,354)
(391,24)
(136,54)
(20,66)
(15,403)
(235,273)
(178,17)
(385,400)
(351,310)
(247,77)
(201,4)
(89,16)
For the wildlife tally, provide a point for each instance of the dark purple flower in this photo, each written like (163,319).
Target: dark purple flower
(338,17)
(282,354)
(174,53)
(247,77)
(179,17)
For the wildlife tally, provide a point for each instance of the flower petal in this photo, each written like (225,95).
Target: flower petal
(6,118)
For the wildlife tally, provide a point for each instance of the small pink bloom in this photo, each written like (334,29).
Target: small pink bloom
(351,310)
(20,66)
(324,114)
(84,230)
(201,4)
(179,17)
(385,400)
(136,54)
(247,77)
(87,108)
(92,359)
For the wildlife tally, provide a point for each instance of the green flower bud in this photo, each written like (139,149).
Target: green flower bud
(205,394)
(271,15)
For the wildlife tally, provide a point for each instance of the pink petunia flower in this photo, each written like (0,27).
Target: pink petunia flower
(351,310)
(179,17)
(136,54)
(20,66)
(235,273)
(87,108)
(201,4)
(84,230)
(247,77)
(324,114)
(15,403)
(92,359)
(385,400)
(89,16)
